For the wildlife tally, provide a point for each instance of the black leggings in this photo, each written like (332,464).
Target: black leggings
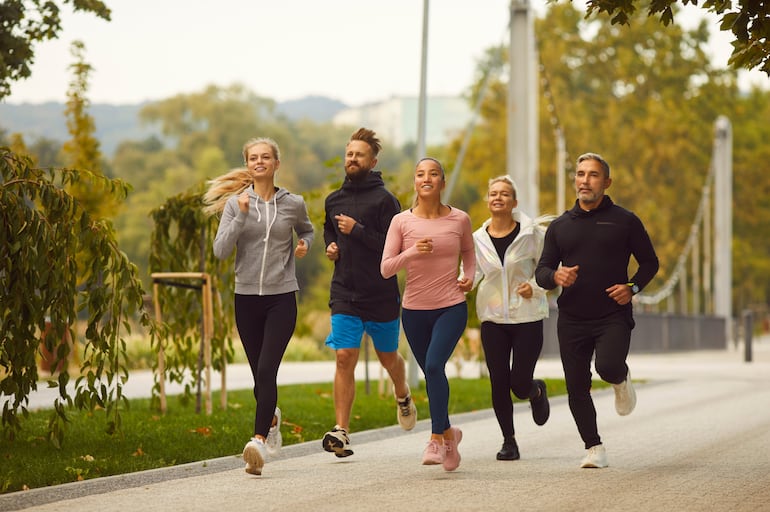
(609,338)
(503,343)
(265,324)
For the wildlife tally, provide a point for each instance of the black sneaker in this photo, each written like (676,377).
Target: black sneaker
(541,409)
(337,442)
(509,451)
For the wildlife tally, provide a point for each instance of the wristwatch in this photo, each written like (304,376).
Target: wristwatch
(634,288)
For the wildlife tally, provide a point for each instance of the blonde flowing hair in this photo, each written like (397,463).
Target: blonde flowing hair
(223,187)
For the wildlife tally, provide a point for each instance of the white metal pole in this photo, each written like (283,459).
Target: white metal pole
(413,376)
(723,221)
(521,139)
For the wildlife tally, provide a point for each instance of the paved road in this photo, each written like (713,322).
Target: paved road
(699,440)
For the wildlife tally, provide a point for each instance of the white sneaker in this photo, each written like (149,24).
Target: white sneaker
(625,396)
(406,412)
(595,458)
(337,442)
(274,440)
(254,453)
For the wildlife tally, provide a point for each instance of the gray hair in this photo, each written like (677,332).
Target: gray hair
(598,158)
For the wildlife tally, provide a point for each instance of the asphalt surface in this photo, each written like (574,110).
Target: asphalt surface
(699,440)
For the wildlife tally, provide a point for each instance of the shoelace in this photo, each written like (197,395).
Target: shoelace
(404,406)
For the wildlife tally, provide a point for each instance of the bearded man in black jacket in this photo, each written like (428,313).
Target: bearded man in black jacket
(358,216)
(587,251)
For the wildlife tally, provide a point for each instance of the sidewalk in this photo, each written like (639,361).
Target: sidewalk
(643,366)
(699,439)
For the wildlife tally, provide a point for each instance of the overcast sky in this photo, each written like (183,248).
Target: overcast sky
(355,51)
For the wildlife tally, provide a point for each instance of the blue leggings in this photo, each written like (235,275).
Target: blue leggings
(433,335)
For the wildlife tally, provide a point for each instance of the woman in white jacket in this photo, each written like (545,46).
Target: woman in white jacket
(511,308)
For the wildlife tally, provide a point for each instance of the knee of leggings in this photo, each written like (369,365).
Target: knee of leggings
(613,374)
(434,371)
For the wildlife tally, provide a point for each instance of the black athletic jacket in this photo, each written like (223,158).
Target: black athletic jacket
(601,241)
(357,286)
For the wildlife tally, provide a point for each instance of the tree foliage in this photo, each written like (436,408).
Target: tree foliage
(42,230)
(647,100)
(182,242)
(82,150)
(23,24)
(748,21)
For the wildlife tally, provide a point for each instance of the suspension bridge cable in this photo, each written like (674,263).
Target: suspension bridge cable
(676,275)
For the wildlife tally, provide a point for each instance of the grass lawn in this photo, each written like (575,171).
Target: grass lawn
(150,440)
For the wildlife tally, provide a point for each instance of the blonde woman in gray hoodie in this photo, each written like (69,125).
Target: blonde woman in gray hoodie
(259,220)
(510,307)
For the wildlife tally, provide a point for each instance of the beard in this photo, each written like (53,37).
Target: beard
(355,172)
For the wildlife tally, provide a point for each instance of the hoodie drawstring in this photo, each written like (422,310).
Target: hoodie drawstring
(268,226)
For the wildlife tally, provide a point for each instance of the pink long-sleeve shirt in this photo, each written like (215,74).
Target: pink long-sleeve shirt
(431,279)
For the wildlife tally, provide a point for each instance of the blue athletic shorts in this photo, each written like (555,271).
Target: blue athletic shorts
(348,330)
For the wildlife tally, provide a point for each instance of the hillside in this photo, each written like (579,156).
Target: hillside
(116,123)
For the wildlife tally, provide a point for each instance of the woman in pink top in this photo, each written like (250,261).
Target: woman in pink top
(429,241)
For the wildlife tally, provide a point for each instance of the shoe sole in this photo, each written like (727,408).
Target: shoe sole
(254,460)
(335,446)
(544,396)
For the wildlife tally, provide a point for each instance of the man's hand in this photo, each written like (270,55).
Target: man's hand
(332,251)
(620,293)
(344,223)
(566,276)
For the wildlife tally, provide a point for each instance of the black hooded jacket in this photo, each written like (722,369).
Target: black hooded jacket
(601,241)
(357,287)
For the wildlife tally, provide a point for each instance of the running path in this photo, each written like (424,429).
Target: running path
(698,440)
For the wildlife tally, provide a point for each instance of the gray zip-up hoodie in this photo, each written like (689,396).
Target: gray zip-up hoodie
(264,259)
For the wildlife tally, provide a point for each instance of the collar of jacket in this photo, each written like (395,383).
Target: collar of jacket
(577,211)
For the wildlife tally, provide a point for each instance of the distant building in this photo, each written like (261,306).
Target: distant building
(395,119)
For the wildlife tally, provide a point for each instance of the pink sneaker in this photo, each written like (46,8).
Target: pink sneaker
(452,456)
(433,454)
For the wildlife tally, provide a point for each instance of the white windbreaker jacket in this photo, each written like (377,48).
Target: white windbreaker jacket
(497,300)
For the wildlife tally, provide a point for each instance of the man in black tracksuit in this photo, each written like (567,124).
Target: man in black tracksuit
(586,252)
(358,216)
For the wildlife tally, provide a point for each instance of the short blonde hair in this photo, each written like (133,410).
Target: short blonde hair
(504,178)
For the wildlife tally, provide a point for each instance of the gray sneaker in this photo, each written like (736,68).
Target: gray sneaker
(337,441)
(625,396)
(274,440)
